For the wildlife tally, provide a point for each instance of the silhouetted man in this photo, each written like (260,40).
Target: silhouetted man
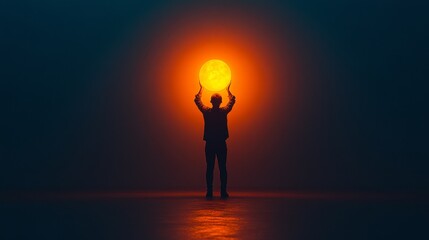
(215,135)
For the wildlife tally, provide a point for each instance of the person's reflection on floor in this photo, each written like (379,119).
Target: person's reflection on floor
(215,220)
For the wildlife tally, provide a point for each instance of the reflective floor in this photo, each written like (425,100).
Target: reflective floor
(190,216)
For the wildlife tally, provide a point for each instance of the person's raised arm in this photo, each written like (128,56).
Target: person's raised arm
(198,101)
(231,101)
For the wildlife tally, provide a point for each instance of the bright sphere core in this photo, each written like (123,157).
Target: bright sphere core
(215,75)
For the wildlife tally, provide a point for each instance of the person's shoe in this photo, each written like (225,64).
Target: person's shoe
(224,195)
(209,195)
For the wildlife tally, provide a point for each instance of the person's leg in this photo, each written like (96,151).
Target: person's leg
(210,160)
(221,152)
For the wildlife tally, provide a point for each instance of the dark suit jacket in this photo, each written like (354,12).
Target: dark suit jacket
(215,119)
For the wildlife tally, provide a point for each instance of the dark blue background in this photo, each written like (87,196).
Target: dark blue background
(67,120)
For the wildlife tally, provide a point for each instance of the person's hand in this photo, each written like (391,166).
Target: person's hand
(229,92)
(201,89)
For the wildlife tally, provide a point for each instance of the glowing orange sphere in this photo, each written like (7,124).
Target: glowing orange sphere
(215,75)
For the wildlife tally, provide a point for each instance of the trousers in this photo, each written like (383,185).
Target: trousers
(213,150)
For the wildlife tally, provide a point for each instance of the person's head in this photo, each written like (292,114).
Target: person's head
(216,100)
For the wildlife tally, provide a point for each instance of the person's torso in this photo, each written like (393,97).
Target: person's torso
(215,125)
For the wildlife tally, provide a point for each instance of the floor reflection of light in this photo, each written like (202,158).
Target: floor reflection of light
(215,220)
